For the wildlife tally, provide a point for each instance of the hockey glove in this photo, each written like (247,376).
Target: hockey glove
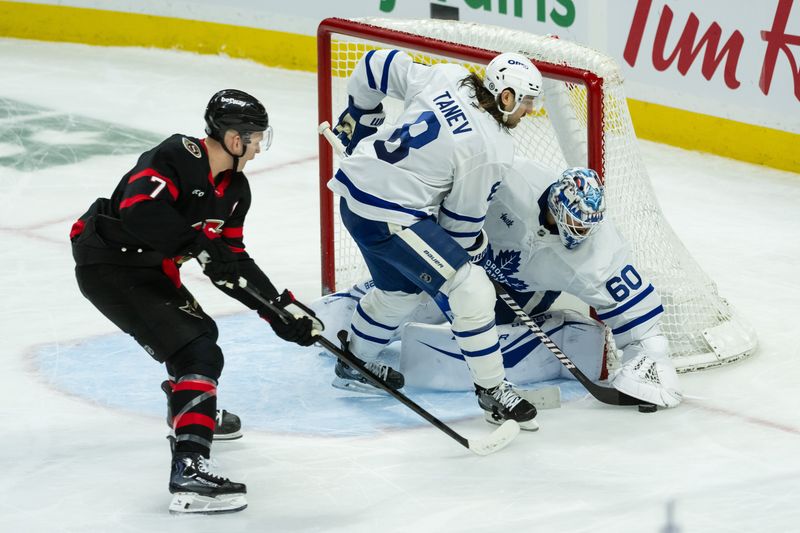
(354,124)
(297,329)
(218,262)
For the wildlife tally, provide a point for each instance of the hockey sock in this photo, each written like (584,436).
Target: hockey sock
(194,406)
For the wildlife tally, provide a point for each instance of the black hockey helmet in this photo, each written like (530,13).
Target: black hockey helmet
(231,109)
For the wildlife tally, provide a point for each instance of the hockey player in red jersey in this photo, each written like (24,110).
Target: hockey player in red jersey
(187,198)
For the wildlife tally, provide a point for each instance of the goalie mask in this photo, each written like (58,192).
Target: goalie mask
(516,72)
(577,203)
(230,109)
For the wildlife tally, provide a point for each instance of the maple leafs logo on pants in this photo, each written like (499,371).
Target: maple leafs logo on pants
(503,266)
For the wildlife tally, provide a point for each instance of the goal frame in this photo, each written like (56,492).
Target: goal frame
(333,26)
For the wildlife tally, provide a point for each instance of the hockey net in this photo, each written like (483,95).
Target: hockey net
(584,122)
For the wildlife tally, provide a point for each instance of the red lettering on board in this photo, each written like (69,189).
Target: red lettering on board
(778,41)
(688,47)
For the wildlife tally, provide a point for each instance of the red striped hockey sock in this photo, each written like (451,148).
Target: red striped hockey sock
(194,405)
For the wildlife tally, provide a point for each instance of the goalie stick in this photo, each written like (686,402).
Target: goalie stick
(608,395)
(496,441)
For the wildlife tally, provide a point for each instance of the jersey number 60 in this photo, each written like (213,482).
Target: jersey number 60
(620,287)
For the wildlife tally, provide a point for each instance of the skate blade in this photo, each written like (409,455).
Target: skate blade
(193,503)
(530,425)
(217,437)
(357,386)
(228,436)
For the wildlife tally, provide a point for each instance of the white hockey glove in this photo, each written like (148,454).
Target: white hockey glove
(354,124)
(650,380)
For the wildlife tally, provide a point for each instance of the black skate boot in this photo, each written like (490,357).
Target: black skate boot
(228,425)
(501,403)
(197,490)
(348,378)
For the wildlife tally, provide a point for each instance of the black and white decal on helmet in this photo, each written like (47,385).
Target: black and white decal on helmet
(231,109)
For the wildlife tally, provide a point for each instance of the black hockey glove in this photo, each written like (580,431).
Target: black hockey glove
(299,330)
(218,262)
(354,124)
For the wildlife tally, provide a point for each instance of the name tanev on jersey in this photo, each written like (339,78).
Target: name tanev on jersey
(452,113)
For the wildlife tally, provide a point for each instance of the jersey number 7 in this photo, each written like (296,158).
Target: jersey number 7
(159,187)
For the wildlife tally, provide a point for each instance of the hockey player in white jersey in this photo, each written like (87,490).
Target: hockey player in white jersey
(414,195)
(546,237)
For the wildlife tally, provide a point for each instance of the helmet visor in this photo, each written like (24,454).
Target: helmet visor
(262,138)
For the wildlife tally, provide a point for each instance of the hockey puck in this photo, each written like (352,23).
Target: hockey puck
(647,408)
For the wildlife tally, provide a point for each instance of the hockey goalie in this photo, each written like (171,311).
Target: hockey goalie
(547,234)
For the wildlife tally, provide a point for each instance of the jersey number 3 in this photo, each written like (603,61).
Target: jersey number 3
(407,141)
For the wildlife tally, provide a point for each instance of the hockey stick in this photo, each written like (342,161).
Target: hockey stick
(608,395)
(496,441)
(324,129)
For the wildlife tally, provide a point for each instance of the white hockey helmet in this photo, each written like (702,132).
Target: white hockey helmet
(577,202)
(513,71)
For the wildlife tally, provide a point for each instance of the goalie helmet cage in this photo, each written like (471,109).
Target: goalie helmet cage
(584,122)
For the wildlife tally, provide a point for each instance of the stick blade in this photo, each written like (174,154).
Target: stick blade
(542,398)
(499,439)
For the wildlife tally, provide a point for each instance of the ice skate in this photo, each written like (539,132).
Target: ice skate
(196,489)
(348,378)
(501,403)
(228,425)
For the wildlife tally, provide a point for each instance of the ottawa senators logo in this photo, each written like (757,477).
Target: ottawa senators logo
(192,147)
(211,227)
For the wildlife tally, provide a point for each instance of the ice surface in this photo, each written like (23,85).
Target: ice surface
(82,445)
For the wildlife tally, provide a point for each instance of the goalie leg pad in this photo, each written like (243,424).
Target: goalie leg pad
(336,312)
(430,357)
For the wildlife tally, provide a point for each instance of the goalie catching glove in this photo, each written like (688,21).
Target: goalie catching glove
(354,124)
(651,380)
(300,326)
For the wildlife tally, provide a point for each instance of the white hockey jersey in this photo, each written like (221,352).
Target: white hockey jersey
(442,156)
(530,260)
